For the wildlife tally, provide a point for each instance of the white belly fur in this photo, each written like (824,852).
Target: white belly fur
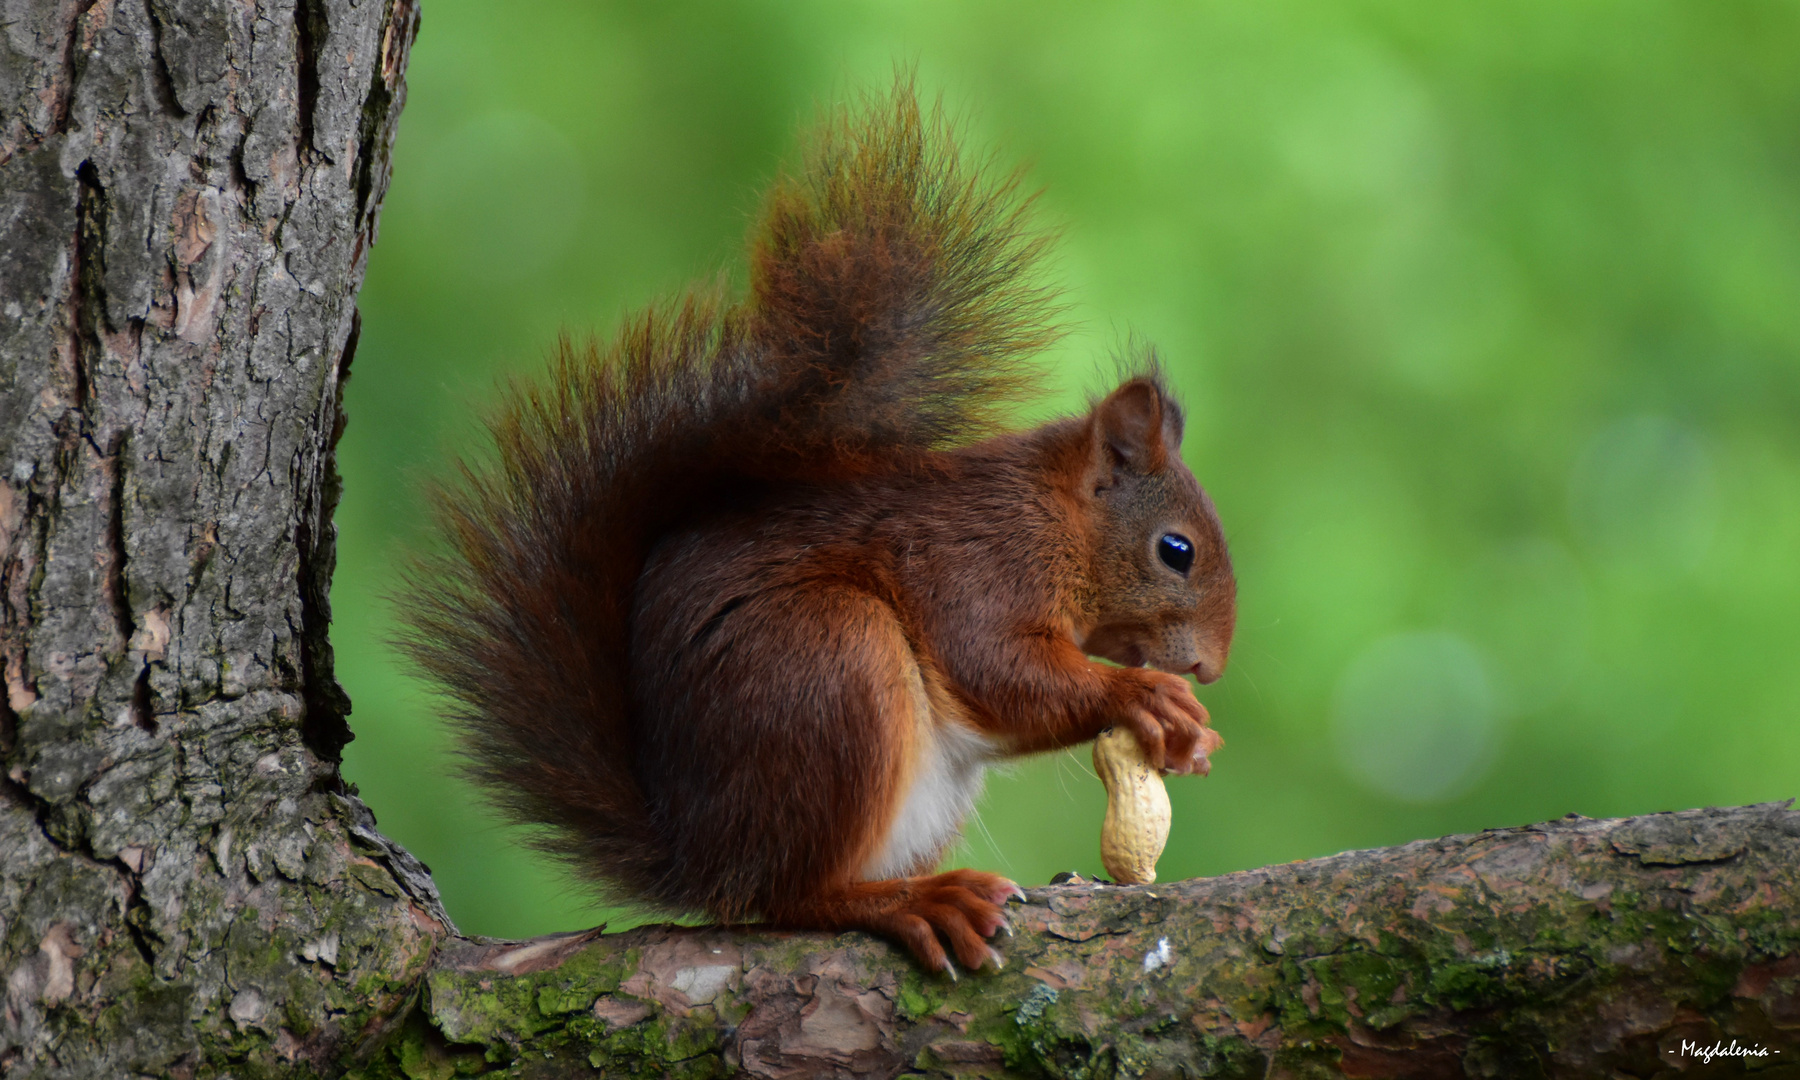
(949,768)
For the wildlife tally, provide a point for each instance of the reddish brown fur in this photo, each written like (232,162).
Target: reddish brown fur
(734,580)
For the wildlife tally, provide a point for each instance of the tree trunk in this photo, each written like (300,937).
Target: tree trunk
(188,191)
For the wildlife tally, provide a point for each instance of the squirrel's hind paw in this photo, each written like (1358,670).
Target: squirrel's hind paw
(960,908)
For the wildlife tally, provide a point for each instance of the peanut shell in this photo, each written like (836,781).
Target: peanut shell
(1137,809)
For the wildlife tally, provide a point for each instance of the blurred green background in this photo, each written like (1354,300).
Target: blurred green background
(1487,318)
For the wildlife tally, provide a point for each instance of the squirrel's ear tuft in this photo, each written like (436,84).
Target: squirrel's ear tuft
(1140,426)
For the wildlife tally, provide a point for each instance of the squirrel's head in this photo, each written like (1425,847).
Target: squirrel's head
(1164,593)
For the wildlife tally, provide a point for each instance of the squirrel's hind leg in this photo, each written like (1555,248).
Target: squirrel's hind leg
(791,745)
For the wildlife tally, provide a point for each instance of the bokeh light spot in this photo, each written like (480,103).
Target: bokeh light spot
(1526,602)
(1643,491)
(1414,717)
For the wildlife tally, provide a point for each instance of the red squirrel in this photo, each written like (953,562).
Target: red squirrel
(753,596)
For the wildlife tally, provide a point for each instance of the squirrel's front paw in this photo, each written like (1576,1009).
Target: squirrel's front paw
(1171,726)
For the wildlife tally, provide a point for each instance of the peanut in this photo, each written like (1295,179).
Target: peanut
(1137,809)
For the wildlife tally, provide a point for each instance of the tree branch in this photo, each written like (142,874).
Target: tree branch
(1576,948)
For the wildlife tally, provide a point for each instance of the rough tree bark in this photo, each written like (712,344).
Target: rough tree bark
(188,192)
(1576,948)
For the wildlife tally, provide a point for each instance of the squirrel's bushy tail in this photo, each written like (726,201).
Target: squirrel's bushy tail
(893,299)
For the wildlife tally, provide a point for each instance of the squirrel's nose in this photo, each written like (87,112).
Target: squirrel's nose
(1208,669)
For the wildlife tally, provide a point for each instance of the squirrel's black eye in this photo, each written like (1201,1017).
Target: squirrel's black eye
(1176,552)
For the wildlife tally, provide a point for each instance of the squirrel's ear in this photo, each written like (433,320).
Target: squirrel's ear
(1139,426)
